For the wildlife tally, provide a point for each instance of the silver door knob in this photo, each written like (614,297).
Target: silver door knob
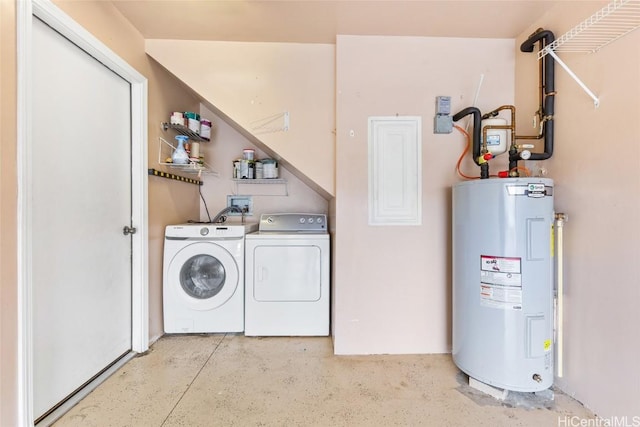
(128,230)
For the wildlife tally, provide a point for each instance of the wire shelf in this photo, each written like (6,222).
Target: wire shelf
(165,149)
(183,130)
(258,187)
(617,19)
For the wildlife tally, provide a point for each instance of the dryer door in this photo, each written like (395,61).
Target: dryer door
(287,273)
(204,275)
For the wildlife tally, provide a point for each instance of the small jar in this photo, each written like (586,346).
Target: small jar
(177,118)
(248,154)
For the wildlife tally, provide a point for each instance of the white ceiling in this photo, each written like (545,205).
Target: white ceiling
(319,21)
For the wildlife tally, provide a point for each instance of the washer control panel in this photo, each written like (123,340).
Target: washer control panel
(293,222)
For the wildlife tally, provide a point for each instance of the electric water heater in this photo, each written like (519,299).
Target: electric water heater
(503,287)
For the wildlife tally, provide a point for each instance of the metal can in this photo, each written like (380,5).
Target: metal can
(205,129)
(195,149)
(193,121)
(270,168)
(177,118)
(247,169)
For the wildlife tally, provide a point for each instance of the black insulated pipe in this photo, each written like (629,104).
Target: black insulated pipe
(477,131)
(545,38)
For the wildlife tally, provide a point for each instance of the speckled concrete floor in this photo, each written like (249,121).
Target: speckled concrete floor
(232,380)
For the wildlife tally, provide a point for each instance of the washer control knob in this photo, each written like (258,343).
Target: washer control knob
(270,220)
(302,220)
(311,220)
(319,220)
(204,231)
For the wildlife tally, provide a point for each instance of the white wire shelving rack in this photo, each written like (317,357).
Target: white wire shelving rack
(615,20)
(165,149)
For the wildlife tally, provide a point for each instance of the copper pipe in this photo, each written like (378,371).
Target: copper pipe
(511,127)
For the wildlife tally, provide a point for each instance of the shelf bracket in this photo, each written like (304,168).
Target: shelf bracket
(270,124)
(256,184)
(155,172)
(596,101)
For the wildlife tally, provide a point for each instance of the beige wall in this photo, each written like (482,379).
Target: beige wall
(392,283)
(227,77)
(169,201)
(225,146)
(252,82)
(8,217)
(595,168)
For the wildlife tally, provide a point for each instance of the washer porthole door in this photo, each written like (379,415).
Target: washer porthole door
(204,275)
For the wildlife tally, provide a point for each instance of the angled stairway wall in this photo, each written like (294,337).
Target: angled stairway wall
(252,85)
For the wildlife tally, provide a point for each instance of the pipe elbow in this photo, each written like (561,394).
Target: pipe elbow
(469,110)
(546,35)
(475,140)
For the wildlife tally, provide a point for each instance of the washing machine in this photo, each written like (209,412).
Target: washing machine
(287,276)
(203,280)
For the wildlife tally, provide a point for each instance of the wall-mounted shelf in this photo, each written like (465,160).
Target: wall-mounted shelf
(618,18)
(191,168)
(183,130)
(260,181)
(165,150)
(260,187)
(607,25)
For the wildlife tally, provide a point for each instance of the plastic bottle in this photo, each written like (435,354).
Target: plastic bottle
(180,156)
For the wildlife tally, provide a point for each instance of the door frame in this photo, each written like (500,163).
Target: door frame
(59,21)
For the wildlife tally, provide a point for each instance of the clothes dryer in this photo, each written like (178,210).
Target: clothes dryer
(203,281)
(287,276)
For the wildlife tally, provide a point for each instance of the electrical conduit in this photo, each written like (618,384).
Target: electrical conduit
(560,220)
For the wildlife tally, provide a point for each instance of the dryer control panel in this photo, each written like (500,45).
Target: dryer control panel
(293,223)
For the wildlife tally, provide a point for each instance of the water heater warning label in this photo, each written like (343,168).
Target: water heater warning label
(501,282)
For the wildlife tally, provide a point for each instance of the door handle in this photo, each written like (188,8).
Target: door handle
(262,274)
(128,230)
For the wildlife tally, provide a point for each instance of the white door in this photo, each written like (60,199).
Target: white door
(80,174)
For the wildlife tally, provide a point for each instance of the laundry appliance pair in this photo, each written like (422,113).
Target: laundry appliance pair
(266,279)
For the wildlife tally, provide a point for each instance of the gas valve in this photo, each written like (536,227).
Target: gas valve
(485,158)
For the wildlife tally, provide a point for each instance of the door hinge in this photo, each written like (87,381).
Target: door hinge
(128,230)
